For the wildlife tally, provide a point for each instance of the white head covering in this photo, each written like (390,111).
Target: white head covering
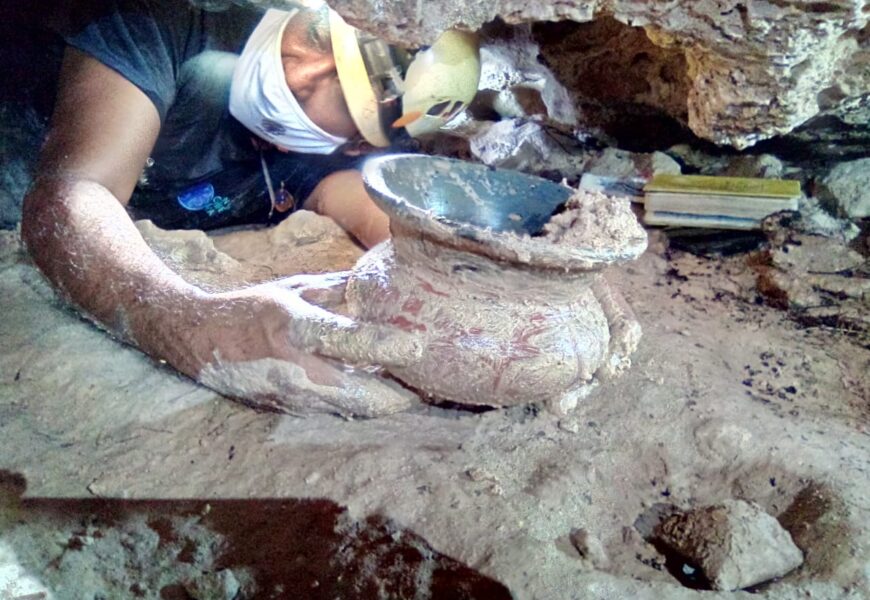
(261,100)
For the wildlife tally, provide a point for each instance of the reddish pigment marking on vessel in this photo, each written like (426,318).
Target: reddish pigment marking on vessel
(517,349)
(406,324)
(386,295)
(428,287)
(475,331)
(412,305)
(538,318)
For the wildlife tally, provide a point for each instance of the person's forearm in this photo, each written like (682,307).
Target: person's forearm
(82,239)
(343,197)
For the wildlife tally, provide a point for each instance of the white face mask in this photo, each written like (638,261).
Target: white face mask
(261,100)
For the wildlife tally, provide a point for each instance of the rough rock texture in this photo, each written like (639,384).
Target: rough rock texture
(754,69)
(735,544)
(818,280)
(531,147)
(755,165)
(305,242)
(846,189)
(589,547)
(527,146)
(628,165)
(835,135)
(515,83)
(815,220)
(624,85)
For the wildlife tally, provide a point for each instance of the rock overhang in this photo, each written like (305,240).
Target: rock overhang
(755,69)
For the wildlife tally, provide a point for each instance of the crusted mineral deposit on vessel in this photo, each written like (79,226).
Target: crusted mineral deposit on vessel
(508,299)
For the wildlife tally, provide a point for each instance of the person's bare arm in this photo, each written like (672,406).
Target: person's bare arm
(73,221)
(79,235)
(343,197)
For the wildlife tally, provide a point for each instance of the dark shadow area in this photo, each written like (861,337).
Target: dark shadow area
(30,55)
(29,65)
(632,90)
(683,571)
(293,548)
(714,243)
(821,141)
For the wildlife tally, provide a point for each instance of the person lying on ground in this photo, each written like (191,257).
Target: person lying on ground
(154,116)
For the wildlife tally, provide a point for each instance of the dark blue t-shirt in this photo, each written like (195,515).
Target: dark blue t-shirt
(180,57)
(148,41)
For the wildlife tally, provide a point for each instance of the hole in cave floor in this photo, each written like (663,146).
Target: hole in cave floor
(813,514)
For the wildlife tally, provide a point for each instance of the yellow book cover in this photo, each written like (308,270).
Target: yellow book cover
(725,186)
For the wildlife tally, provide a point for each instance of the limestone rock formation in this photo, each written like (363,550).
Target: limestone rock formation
(754,69)
(818,280)
(305,242)
(526,146)
(517,81)
(846,189)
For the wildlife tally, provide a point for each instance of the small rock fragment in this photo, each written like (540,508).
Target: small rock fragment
(220,585)
(511,71)
(524,146)
(816,254)
(698,161)
(816,220)
(628,165)
(478,474)
(754,165)
(569,425)
(589,547)
(735,544)
(846,189)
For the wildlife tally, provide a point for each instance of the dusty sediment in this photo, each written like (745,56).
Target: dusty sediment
(305,242)
(727,399)
(594,220)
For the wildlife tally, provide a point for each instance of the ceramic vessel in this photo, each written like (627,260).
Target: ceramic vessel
(505,316)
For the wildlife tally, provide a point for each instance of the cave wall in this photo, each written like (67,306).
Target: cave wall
(753,68)
(622,84)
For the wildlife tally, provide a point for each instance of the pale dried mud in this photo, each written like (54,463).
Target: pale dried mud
(726,399)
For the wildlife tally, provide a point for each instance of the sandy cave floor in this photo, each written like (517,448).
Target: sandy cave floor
(122,479)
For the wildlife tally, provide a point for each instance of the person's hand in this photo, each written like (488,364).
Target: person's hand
(268,346)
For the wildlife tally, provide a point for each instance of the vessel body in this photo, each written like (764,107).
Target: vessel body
(499,281)
(493,334)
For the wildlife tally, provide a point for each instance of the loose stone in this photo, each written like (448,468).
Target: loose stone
(735,544)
